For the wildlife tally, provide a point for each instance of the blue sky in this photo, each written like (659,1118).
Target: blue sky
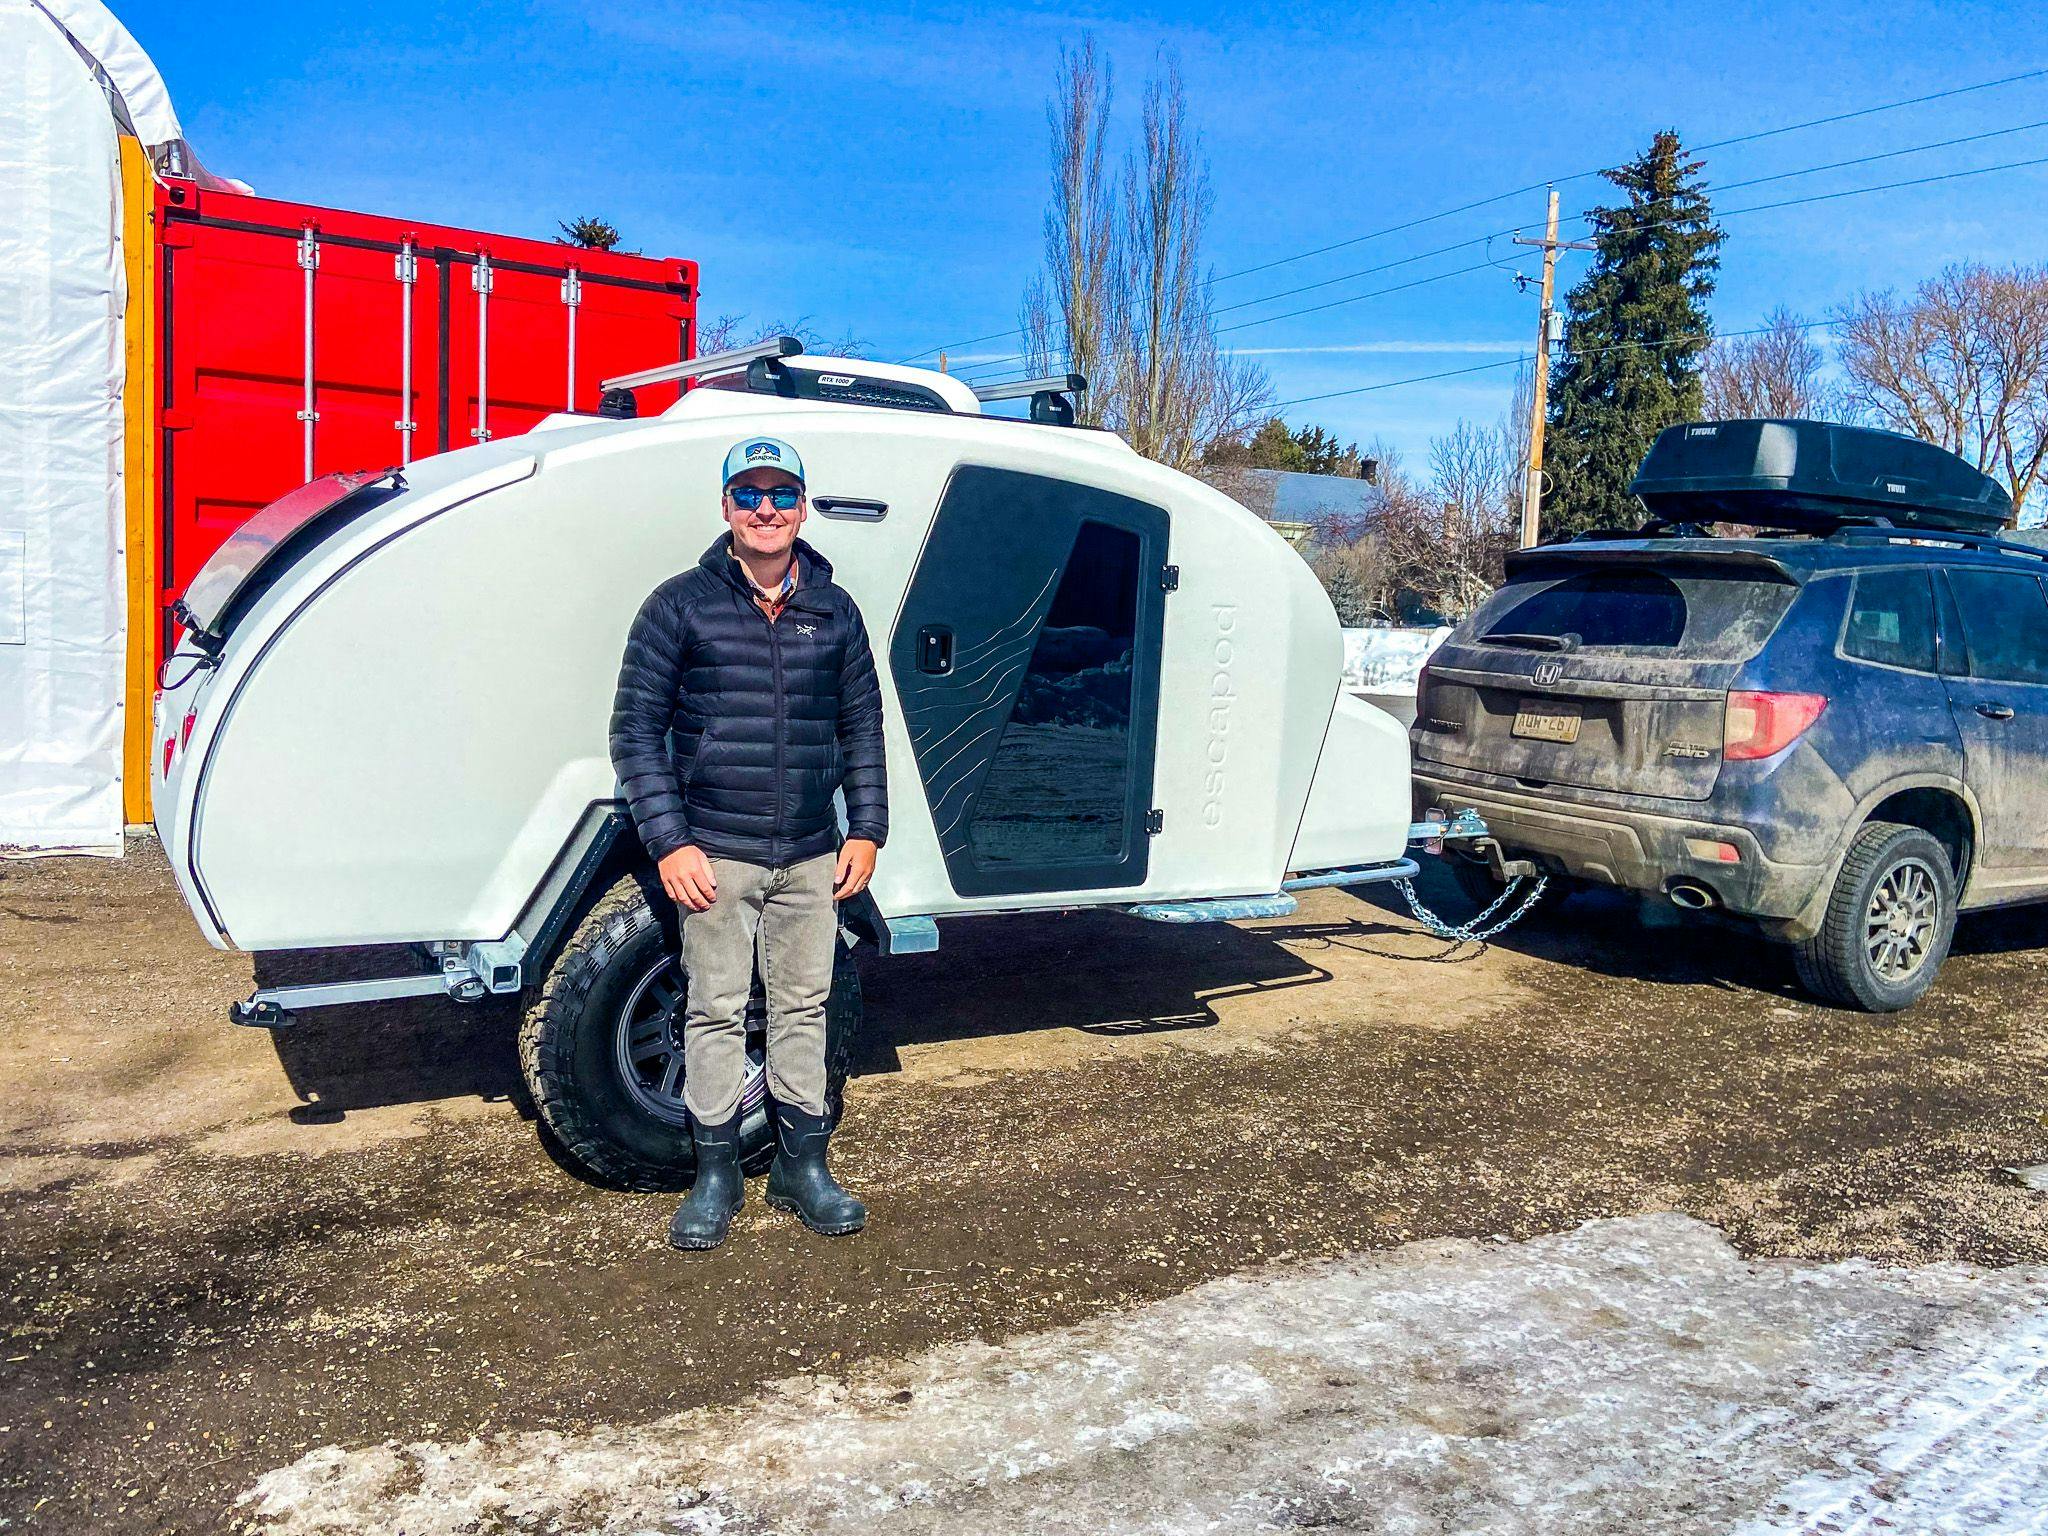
(881,168)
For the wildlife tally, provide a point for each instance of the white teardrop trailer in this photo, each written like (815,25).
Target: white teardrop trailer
(1106,684)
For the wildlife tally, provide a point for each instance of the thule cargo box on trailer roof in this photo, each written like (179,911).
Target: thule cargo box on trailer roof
(1814,474)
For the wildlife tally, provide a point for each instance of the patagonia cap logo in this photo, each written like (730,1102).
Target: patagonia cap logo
(1549,671)
(763,451)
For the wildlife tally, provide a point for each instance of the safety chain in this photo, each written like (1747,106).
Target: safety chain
(1471,931)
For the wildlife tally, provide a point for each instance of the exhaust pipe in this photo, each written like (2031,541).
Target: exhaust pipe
(1694,898)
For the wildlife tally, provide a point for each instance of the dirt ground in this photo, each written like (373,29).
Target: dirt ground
(220,1249)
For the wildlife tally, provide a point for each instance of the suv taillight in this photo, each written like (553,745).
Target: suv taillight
(1761,724)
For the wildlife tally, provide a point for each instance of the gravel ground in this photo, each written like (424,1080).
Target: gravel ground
(221,1251)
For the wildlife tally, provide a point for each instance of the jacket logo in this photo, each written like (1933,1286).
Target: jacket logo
(807,629)
(1548,672)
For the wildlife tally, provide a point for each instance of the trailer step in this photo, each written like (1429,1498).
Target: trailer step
(1237,909)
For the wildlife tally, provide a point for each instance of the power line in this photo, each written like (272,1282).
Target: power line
(1813,170)
(1523,359)
(1733,186)
(1728,213)
(1744,138)
(1484,202)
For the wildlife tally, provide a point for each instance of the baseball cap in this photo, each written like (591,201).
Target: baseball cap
(763,453)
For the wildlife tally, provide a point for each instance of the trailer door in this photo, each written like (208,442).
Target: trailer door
(1027,661)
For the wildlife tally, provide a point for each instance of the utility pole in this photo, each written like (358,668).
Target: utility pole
(1539,403)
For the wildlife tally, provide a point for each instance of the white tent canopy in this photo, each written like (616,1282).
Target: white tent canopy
(106,46)
(74,77)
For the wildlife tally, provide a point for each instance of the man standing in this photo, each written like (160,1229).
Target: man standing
(746,699)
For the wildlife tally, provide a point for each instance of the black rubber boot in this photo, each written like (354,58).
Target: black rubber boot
(799,1181)
(703,1219)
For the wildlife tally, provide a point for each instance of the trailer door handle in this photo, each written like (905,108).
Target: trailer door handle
(935,650)
(862,508)
(1995,711)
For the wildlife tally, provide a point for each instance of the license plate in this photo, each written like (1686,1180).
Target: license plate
(1547,720)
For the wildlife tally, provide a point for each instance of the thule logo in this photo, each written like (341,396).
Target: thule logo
(1548,672)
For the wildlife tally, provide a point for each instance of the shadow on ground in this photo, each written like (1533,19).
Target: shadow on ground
(1094,971)
(408,1051)
(1098,972)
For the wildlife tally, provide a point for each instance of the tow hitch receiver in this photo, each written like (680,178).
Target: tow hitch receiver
(1504,868)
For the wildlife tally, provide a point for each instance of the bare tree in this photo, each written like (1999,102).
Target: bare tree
(729,331)
(1778,372)
(1962,363)
(1360,579)
(1071,308)
(1176,391)
(1357,550)
(1451,547)
(1123,298)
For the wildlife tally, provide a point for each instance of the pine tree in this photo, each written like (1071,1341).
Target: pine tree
(1635,333)
(590,232)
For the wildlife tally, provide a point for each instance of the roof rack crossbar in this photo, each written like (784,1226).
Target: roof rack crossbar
(1051,383)
(708,366)
(1866,535)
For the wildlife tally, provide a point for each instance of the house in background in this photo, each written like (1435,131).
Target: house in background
(1294,504)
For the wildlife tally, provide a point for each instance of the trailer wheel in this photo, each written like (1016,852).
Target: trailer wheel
(601,1048)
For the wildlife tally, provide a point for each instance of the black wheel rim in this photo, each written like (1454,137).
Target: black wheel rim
(1901,922)
(648,1042)
(647,1048)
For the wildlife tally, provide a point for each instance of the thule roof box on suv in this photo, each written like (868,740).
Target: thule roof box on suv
(1814,476)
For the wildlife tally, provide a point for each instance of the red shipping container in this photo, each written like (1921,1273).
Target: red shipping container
(299,340)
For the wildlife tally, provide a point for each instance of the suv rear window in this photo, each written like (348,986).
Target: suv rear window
(1691,608)
(1891,620)
(1638,609)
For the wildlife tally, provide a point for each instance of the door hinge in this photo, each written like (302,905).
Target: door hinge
(1155,822)
(1169,578)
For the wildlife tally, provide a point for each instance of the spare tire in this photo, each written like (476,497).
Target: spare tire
(601,1047)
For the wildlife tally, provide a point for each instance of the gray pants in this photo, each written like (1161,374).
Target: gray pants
(786,918)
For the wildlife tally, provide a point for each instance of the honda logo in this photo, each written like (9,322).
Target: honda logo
(1548,672)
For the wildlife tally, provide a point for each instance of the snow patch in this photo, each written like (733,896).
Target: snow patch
(1635,1374)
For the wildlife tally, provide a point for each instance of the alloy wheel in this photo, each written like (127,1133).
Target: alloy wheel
(1901,922)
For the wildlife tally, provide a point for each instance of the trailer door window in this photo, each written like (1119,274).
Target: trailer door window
(1026,661)
(1059,782)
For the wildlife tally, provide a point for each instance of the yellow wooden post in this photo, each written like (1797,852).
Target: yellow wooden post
(139,465)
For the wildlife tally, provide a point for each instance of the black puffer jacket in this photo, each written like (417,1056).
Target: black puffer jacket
(767,719)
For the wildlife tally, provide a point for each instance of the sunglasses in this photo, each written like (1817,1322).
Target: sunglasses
(747,497)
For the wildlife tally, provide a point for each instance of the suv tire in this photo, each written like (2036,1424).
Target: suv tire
(1889,921)
(569,1049)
